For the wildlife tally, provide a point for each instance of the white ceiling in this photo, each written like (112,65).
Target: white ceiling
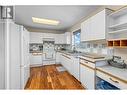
(67,15)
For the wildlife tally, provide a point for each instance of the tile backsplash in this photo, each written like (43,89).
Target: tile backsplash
(39,47)
(93,48)
(101,48)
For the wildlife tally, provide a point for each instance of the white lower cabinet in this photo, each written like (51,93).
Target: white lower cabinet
(66,61)
(71,63)
(112,80)
(75,68)
(58,57)
(35,60)
(87,75)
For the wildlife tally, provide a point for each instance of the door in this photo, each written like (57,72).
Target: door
(87,77)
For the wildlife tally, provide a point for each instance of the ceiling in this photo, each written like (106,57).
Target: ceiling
(67,15)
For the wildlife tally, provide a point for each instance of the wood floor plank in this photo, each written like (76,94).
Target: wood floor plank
(47,77)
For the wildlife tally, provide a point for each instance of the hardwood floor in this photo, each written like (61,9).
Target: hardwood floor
(47,77)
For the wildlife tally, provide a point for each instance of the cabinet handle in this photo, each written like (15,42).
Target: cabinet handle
(113,80)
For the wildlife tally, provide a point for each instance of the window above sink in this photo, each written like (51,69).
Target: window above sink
(76,37)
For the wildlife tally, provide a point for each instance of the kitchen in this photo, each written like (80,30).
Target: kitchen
(73,47)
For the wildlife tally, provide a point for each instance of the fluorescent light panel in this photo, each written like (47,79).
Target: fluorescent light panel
(45,21)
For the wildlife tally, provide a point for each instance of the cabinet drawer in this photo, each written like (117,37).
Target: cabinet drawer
(87,63)
(114,81)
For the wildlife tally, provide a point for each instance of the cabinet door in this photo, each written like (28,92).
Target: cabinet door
(98,26)
(67,37)
(36,37)
(62,60)
(75,68)
(94,28)
(58,58)
(85,30)
(60,39)
(87,77)
(67,62)
(35,59)
(70,65)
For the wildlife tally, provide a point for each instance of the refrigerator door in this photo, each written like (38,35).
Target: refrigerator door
(25,73)
(25,52)
(2,54)
(24,47)
(15,61)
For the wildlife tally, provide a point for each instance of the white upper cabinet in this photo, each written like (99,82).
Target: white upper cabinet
(64,38)
(94,28)
(36,37)
(85,30)
(98,26)
(60,39)
(67,37)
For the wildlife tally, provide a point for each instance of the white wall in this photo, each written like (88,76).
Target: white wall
(2,66)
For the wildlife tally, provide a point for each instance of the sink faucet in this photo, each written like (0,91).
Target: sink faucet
(73,48)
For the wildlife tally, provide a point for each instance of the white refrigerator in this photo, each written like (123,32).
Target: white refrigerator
(25,61)
(16,56)
(2,55)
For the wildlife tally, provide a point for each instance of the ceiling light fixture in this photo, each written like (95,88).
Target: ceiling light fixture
(45,21)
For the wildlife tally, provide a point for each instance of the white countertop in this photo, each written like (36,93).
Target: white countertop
(91,56)
(92,59)
(117,72)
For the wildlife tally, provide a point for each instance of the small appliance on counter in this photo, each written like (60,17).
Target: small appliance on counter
(116,61)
